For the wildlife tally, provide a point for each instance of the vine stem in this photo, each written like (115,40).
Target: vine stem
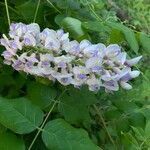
(43,124)
(104,124)
(10,8)
(7,12)
(36,11)
(48,1)
(95,14)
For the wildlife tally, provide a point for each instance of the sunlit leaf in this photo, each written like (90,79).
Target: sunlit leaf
(95,26)
(20,115)
(73,26)
(74,105)
(128,34)
(59,135)
(40,94)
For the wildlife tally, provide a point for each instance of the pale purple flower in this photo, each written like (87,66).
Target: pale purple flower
(47,33)
(46,57)
(63,37)
(45,60)
(134,73)
(44,64)
(119,59)
(18,65)
(77,83)
(7,44)
(80,73)
(111,85)
(94,64)
(128,75)
(33,29)
(46,71)
(32,58)
(7,55)
(4,42)
(72,48)
(17,30)
(133,61)
(112,51)
(34,71)
(94,50)
(84,44)
(108,76)
(52,44)
(64,79)
(29,40)
(125,85)
(7,62)
(94,83)
(68,62)
(62,61)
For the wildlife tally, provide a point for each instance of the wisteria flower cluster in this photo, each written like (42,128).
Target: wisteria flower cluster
(51,54)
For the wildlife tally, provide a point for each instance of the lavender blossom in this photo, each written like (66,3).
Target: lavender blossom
(52,55)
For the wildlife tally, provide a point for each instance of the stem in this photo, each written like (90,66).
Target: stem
(10,8)
(143,143)
(37,8)
(7,12)
(43,124)
(53,6)
(33,141)
(95,14)
(104,124)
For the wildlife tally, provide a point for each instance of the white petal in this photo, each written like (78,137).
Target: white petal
(126,85)
(84,44)
(113,50)
(134,74)
(33,28)
(133,61)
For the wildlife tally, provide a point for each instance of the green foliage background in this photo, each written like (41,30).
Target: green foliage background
(67,118)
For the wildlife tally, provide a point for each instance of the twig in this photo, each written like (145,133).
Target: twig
(43,124)
(53,6)
(95,14)
(7,12)
(33,141)
(10,8)
(36,11)
(104,124)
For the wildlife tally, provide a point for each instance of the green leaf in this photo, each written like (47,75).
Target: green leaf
(124,105)
(95,26)
(139,133)
(128,33)
(129,141)
(59,135)
(9,141)
(73,26)
(16,2)
(116,36)
(74,105)
(112,113)
(122,124)
(27,10)
(59,18)
(147,129)
(145,42)
(41,94)
(2,128)
(19,115)
(68,4)
(137,120)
